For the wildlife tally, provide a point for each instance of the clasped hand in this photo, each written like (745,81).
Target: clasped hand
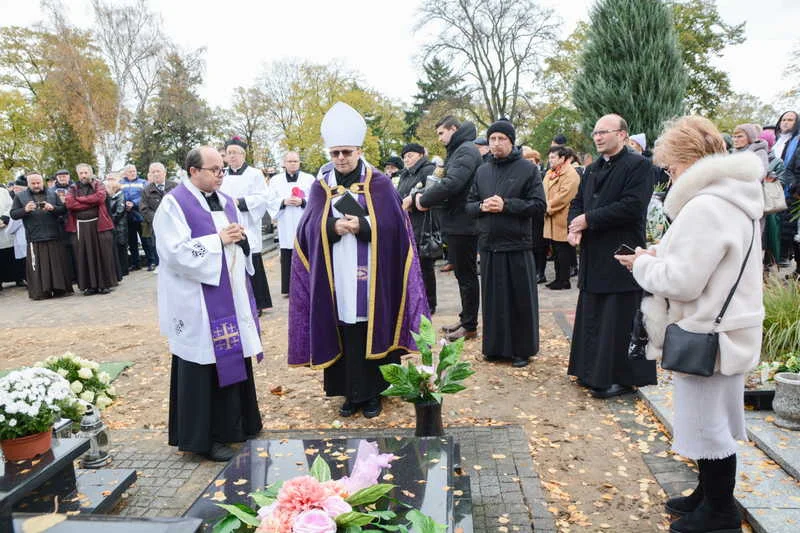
(347,224)
(493,204)
(231,233)
(293,201)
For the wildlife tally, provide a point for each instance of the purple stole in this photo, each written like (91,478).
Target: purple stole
(220,306)
(362,254)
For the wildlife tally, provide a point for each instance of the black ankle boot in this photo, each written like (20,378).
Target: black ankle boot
(717,513)
(686,504)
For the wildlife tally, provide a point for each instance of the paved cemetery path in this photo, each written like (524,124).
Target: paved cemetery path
(588,452)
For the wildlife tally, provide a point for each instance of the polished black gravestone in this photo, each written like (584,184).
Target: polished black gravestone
(424,474)
(32,486)
(106,524)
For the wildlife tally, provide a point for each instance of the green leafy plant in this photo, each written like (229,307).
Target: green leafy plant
(781,319)
(431,379)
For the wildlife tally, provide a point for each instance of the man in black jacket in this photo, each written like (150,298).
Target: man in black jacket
(152,194)
(47,266)
(507,193)
(608,211)
(450,195)
(412,181)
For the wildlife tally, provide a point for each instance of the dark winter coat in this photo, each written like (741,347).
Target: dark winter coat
(413,181)
(613,195)
(517,181)
(40,225)
(119,216)
(151,198)
(450,194)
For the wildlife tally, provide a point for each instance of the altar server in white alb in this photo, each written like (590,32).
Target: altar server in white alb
(247,186)
(207,310)
(289,191)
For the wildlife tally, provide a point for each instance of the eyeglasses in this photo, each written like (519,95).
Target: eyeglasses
(343,153)
(217,171)
(603,132)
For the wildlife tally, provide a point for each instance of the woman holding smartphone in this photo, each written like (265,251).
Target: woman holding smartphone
(715,203)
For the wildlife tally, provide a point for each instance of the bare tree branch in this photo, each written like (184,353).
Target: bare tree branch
(497,44)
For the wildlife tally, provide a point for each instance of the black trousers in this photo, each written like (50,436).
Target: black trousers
(260,285)
(429,279)
(565,258)
(286,269)
(134,232)
(464,258)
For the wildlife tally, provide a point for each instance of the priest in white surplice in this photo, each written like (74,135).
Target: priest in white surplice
(207,311)
(247,186)
(289,191)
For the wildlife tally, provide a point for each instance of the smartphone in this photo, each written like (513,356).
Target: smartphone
(624,249)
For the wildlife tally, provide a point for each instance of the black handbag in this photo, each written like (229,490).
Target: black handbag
(696,353)
(430,241)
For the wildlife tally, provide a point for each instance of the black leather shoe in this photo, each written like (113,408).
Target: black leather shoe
(451,328)
(221,452)
(558,285)
(459,333)
(348,409)
(89,292)
(103,291)
(613,390)
(372,408)
(519,363)
(582,383)
(573,272)
(541,279)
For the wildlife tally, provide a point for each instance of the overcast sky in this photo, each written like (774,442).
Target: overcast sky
(377,38)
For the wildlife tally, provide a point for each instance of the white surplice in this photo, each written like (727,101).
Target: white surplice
(186,263)
(288,216)
(345,266)
(251,186)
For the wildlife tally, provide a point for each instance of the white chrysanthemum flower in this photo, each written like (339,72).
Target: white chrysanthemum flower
(111,391)
(63,372)
(76,386)
(102,401)
(104,378)
(87,396)
(12,422)
(85,373)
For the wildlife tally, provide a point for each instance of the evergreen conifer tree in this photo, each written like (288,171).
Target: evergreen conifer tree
(631,66)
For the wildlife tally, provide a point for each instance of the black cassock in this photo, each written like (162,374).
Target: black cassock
(613,195)
(510,302)
(510,305)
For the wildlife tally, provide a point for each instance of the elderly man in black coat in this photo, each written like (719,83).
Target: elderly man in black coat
(507,192)
(609,211)
(450,195)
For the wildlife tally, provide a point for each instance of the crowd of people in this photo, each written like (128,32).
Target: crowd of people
(358,249)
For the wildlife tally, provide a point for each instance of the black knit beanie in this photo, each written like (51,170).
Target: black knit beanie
(505,127)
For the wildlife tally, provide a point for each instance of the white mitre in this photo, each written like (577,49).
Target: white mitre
(343,126)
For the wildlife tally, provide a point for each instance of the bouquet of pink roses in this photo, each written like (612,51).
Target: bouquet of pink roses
(318,504)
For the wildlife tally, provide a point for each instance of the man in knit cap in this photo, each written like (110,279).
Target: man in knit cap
(506,194)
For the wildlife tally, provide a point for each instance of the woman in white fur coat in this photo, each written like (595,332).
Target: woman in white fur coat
(715,203)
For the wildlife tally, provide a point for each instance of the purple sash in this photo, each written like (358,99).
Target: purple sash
(220,306)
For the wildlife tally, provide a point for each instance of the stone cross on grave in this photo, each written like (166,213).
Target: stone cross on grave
(225,336)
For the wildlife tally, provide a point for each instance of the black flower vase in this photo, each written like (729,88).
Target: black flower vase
(429,419)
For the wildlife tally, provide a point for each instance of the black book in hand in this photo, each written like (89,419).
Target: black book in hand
(347,205)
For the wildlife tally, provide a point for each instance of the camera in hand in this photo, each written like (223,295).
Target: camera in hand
(40,205)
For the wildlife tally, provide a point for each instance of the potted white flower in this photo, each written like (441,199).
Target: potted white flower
(86,380)
(31,400)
